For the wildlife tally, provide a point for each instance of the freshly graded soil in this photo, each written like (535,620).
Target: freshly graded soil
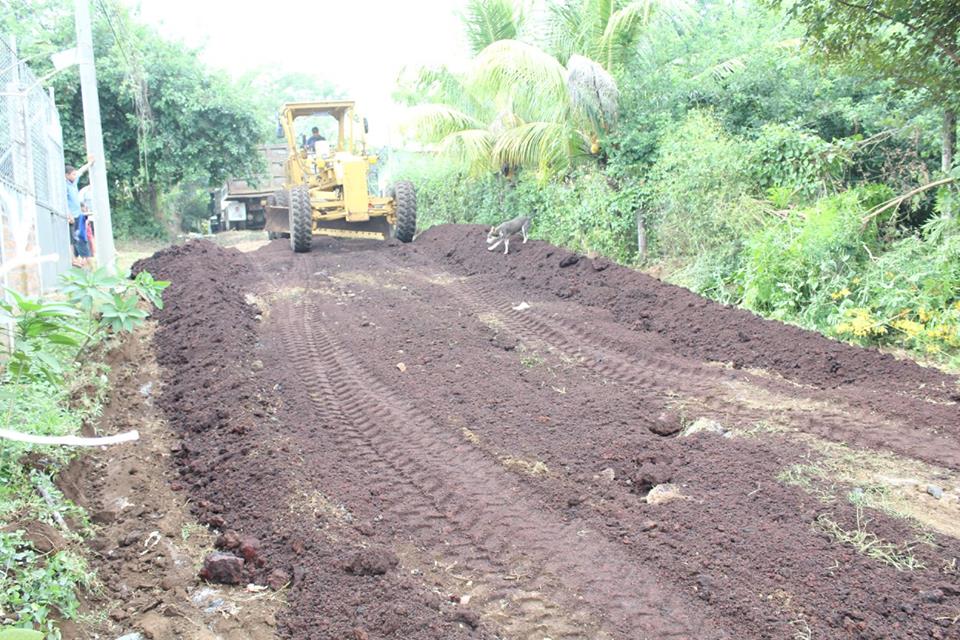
(436,441)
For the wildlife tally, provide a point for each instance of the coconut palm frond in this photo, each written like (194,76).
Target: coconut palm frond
(547,147)
(619,37)
(472,147)
(505,119)
(514,68)
(433,122)
(727,68)
(593,93)
(566,27)
(487,21)
(724,69)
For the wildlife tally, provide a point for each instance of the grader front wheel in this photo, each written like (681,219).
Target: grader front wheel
(405,204)
(301,219)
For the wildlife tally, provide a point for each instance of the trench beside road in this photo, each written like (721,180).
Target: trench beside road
(436,441)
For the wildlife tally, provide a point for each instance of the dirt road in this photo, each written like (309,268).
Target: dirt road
(436,441)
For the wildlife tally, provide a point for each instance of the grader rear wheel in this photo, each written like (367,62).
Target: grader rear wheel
(405,202)
(301,219)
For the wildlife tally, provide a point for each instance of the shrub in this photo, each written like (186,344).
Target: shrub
(793,266)
(695,185)
(790,157)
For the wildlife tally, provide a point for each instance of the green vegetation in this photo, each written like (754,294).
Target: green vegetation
(795,162)
(52,382)
(171,126)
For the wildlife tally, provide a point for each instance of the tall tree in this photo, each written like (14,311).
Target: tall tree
(167,119)
(914,42)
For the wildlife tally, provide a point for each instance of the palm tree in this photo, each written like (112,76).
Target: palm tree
(518,105)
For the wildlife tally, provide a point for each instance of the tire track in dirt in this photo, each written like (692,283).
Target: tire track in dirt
(711,388)
(319,479)
(437,478)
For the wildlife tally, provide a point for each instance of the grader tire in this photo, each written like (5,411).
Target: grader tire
(301,220)
(405,202)
(277,199)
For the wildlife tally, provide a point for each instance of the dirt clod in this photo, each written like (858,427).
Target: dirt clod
(223,568)
(648,525)
(131,538)
(278,579)
(666,424)
(250,550)
(467,617)
(372,562)
(607,475)
(228,540)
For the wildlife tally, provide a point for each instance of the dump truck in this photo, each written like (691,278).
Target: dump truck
(241,203)
(325,190)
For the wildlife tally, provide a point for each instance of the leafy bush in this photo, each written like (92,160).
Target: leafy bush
(908,297)
(787,156)
(49,386)
(792,266)
(695,187)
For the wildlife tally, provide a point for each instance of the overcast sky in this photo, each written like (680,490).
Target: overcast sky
(360,45)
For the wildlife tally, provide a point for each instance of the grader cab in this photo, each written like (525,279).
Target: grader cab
(325,186)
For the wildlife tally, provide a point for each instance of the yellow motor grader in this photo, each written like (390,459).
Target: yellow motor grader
(325,188)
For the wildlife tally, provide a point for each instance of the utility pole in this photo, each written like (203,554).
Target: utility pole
(94,137)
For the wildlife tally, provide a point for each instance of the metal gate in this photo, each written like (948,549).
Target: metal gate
(35,245)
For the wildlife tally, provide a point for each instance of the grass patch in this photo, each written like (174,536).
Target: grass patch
(533,468)
(875,480)
(531,361)
(869,544)
(35,588)
(811,478)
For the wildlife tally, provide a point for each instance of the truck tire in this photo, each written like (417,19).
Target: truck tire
(277,199)
(405,203)
(301,219)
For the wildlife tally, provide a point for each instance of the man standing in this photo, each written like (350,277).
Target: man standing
(86,206)
(75,214)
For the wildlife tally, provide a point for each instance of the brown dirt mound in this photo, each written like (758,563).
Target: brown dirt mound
(495,484)
(693,325)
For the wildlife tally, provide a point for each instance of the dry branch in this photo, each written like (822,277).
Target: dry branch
(896,202)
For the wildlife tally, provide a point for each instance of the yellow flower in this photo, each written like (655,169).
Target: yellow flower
(909,327)
(860,323)
(923,314)
(843,293)
(856,280)
(956,305)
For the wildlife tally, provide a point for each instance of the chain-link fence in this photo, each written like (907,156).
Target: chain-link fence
(35,245)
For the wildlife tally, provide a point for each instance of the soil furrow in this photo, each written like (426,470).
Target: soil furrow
(472,493)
